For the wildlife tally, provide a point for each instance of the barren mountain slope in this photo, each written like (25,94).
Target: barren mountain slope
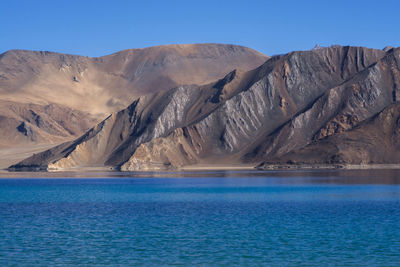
(68,94)
(31,128)
(231,120)
(106,84)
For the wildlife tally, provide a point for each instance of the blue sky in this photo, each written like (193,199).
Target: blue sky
(96,28)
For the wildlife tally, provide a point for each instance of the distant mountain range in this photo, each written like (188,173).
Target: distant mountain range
(328,106)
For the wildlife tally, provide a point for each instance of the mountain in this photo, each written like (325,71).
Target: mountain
(36,88)
(260,116)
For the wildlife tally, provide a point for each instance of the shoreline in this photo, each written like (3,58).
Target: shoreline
(329,167)
(205,167)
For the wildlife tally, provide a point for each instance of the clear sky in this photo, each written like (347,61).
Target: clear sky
(97,27)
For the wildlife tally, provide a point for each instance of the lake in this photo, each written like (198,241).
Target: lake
(223,218)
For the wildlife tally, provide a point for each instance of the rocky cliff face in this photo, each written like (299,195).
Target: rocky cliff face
(264,115)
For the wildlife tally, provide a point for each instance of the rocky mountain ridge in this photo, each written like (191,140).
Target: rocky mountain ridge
(266,115)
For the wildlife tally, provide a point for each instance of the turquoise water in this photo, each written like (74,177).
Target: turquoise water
(202,218)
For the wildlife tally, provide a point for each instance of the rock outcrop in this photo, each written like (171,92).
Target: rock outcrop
(264,115)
